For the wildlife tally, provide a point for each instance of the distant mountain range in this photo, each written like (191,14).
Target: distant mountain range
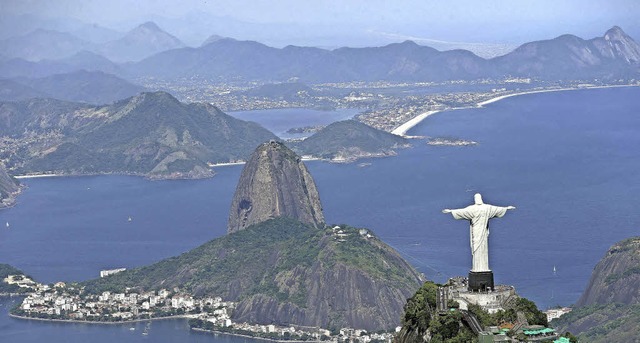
(143,41)
(614,55)
(94,87)
(83,60)
(43,44)
(566,57)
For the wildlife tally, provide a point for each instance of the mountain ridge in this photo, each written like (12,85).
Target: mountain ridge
(564,57)
(161,55)
(151,134)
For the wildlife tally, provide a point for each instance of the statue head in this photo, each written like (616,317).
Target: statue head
(478,199)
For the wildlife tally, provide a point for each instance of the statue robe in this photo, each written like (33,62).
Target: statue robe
(478,215)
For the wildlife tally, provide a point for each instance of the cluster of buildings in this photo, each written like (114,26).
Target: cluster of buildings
(69,302)
(340,234)
(556,312)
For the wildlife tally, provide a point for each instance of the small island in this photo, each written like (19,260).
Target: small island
(305,129)
(448,141)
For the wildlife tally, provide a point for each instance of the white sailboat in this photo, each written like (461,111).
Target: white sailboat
(8,225)
(554,269)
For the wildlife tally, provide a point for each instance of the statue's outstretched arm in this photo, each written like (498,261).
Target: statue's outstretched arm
(511,207)
(446,210)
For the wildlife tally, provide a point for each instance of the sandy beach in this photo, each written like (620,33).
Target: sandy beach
(37,176)
(402,129)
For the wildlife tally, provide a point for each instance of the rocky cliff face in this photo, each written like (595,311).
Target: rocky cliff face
(609,309)
(616,278)
(615,44)
(274,183)
(571,57)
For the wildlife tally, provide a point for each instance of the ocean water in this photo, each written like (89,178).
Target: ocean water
(569,162)
(279,121)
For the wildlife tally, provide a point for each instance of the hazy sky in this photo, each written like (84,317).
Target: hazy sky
(502,21)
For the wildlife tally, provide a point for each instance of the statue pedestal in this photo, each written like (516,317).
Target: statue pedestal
(480,281)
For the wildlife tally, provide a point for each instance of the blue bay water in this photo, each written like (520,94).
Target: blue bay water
(569,162)
(279,121)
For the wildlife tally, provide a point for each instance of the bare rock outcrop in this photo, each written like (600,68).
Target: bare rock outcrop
(616,278)
(274,183)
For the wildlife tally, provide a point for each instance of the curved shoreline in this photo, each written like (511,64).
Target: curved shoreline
(97,322)
(402,129)
(248,336)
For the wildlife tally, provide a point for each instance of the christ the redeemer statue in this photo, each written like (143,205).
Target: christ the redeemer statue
(478,215)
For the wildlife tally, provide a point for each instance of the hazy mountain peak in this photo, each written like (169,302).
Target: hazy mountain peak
(617,44)
(409,42)
(568,38)
(151,26)
(151,30)
(143,41)
(213,39)
(615,33)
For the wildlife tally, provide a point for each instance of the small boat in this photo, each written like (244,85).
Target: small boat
(554,270)
(8,225)
(130,219)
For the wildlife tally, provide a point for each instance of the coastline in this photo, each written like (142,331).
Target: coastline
(71,321)
(402,129)
(36,176)
(97,322)
(247,336)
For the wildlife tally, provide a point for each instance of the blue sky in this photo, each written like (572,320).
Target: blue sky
(458,20)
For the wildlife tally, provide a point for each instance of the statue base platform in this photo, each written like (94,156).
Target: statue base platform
(480,281)
(491,300)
